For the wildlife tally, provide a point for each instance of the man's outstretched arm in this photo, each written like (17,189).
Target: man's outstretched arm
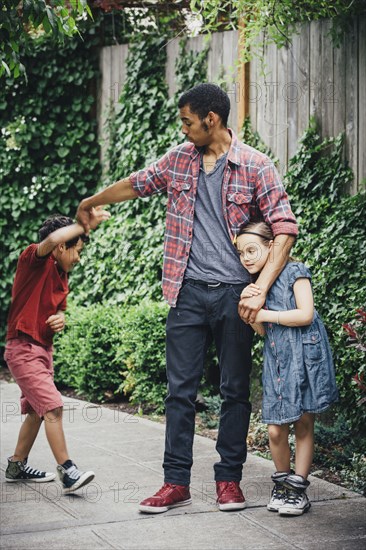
(121,190)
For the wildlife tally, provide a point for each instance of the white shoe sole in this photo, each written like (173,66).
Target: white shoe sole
(273,508)
(86,478)
(232,506)
(50,477)
(283,511)
(161,509)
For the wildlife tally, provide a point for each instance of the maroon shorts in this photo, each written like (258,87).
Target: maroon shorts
(31,366)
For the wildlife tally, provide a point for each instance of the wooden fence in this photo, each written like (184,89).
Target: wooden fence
(280,88)
(312,77)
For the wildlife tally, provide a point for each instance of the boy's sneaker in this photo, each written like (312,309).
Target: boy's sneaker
(296,504)
(279,492)
(72,478)
(19,471)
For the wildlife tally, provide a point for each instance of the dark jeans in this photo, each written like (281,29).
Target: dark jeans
(204,313)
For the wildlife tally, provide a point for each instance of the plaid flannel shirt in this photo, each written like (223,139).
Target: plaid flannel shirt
(251,191)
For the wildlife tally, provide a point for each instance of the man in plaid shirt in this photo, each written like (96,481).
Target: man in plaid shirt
(216,185)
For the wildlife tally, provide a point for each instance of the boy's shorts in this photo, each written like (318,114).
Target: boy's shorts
(31,366)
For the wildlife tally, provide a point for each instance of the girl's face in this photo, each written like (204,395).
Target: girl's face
(253,252)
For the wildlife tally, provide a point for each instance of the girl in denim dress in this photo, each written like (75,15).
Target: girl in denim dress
(298,372)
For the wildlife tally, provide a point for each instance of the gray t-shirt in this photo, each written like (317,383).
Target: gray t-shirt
(213,257)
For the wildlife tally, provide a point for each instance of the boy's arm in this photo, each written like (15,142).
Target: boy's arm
(64,234)
(299,317)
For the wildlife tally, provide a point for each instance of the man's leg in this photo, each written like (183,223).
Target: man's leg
(188,335)
(233,341)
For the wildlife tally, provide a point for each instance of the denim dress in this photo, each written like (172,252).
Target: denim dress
(298,371)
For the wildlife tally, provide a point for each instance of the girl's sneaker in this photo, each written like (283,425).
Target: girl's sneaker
(279,492)
(19,471)
(72,478)
(297,502)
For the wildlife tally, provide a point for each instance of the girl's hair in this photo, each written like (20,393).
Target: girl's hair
(261,229)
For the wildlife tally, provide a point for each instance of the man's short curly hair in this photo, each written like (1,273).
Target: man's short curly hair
(204,98)
(56,221)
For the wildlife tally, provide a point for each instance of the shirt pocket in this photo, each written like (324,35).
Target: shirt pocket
(238,208)
(313,348)
(179,195)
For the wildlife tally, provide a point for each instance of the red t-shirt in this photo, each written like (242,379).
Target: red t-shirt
(39,291)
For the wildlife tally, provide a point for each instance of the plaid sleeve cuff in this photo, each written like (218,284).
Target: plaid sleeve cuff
(137,187)
(284,228)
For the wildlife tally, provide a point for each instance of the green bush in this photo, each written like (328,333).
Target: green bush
(142,351)
(85,353)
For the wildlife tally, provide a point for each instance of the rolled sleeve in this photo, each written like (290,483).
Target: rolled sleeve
(152,179)
(273,201)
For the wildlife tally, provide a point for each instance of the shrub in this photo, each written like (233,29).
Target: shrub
(85,356)
(142,351)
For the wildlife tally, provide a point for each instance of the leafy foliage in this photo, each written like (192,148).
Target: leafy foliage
(142,350)
(23,23)
(277,20)
(356,331)
(49,155)
(86,352)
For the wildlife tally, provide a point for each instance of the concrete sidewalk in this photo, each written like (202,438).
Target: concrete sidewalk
(126,454)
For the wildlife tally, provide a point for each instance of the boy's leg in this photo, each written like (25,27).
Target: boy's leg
(304,435)
(280,449)
(55,435)
(27,436)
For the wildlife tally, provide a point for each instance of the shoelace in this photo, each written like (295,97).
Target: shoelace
(32,471)
(278,491)
(293,497)
(164,490)
(230,486)
(73,472)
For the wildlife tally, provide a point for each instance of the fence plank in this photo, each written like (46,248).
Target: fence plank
(303,104)
(292,95)
(328,100)
(362,104)
(352,101)
(339,75)
(282,124)
(315,82)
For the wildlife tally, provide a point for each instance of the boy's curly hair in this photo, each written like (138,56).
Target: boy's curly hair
(56,221)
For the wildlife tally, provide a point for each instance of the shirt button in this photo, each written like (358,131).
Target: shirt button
(270,325)
(278,379)
(280,397)
(272,344)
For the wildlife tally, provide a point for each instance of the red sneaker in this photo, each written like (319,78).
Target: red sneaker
(169,496)
(229,495)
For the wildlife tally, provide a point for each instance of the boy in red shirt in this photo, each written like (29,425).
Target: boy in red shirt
(36,314)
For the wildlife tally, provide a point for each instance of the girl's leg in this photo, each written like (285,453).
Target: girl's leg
(280,449)
(304,434)
(27,435)
(55,435)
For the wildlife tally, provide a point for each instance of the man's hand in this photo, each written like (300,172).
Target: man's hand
(56,322)
(249,306)
(83,215)
(97,215)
